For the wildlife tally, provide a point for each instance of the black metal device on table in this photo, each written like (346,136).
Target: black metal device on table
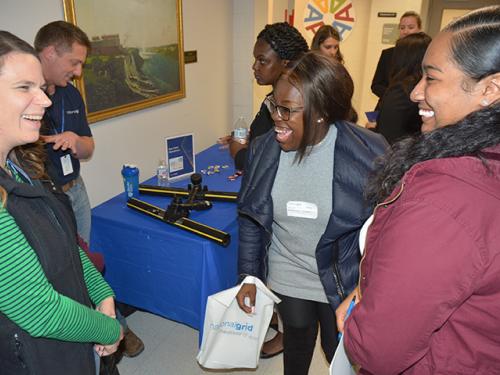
(196,197)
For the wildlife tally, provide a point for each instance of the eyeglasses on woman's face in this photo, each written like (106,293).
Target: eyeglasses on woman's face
(284,113)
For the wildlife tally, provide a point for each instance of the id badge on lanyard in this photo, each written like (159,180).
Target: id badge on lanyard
(66,164)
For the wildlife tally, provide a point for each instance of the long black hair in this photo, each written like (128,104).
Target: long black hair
(475,49)
(406,68)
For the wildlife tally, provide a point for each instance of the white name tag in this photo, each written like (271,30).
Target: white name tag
(302,209)
(67,167)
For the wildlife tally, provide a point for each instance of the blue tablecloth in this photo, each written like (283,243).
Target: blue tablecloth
(160,268)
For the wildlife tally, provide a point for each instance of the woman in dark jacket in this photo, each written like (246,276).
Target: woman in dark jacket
(301,204)
(398,116)
(277,45)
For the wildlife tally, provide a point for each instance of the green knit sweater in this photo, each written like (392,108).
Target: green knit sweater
(29,300)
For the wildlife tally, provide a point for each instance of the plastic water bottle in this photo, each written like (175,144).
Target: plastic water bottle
(162,173)
(130,174)
(240,132)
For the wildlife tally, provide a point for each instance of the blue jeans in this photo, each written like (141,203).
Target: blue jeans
(97,363)
(81,208)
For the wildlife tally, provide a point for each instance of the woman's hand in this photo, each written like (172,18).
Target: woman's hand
(235,146)
(107,307)
(225,140)
(105,350)
(247,294)
(371,125)
(341,311)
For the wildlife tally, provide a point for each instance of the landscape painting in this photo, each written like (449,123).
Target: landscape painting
(137,57)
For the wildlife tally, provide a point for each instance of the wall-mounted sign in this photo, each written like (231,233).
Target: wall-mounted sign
(390,33)
(337,13)
(387,14)
(190,57)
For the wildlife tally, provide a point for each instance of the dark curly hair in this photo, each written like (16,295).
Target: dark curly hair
(475,49)
(468,137)
(285,40)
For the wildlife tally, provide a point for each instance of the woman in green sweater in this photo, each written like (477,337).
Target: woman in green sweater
(48,286)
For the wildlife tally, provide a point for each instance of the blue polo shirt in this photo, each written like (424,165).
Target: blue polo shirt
(66,113)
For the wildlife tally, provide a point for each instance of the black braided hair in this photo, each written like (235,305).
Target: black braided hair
(285,40)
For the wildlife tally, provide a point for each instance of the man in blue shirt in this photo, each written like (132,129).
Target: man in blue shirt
(62,48)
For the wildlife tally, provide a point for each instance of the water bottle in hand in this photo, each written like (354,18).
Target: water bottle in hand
(240,132)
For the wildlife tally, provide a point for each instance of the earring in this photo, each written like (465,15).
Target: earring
(320,120)
(485,102)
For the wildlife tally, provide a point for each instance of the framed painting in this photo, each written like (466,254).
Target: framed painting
(137,55)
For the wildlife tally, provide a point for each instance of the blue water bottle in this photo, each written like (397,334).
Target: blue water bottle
(130,175)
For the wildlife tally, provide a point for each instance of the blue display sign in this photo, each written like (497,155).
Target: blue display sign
(180,156)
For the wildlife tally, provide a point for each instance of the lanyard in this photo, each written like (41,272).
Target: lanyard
(18,171)
(52,122)
(62,114)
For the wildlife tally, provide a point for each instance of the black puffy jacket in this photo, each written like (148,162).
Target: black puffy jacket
(46,221)
(337,253)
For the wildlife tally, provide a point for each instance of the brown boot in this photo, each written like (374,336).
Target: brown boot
(131,345)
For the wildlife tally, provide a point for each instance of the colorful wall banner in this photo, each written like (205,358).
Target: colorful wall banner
(337,13)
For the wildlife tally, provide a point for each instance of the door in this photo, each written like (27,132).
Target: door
(441,12)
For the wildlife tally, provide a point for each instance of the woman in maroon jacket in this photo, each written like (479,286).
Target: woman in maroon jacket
(429,292)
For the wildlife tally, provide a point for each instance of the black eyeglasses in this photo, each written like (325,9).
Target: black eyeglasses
(283,112)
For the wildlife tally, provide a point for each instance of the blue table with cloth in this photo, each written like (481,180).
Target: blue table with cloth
(159,268)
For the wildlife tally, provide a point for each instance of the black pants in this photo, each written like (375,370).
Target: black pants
(300,329)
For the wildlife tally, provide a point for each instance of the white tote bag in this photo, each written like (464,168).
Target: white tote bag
(231,337)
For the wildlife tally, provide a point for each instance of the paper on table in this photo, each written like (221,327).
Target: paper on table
(340,364)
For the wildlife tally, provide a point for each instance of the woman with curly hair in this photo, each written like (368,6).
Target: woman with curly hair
(277,45)
(48,286)
(429,292)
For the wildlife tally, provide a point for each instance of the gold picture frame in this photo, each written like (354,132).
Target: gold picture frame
(137,55)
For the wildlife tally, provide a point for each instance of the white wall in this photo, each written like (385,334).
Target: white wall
(138,137)
(243,41)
